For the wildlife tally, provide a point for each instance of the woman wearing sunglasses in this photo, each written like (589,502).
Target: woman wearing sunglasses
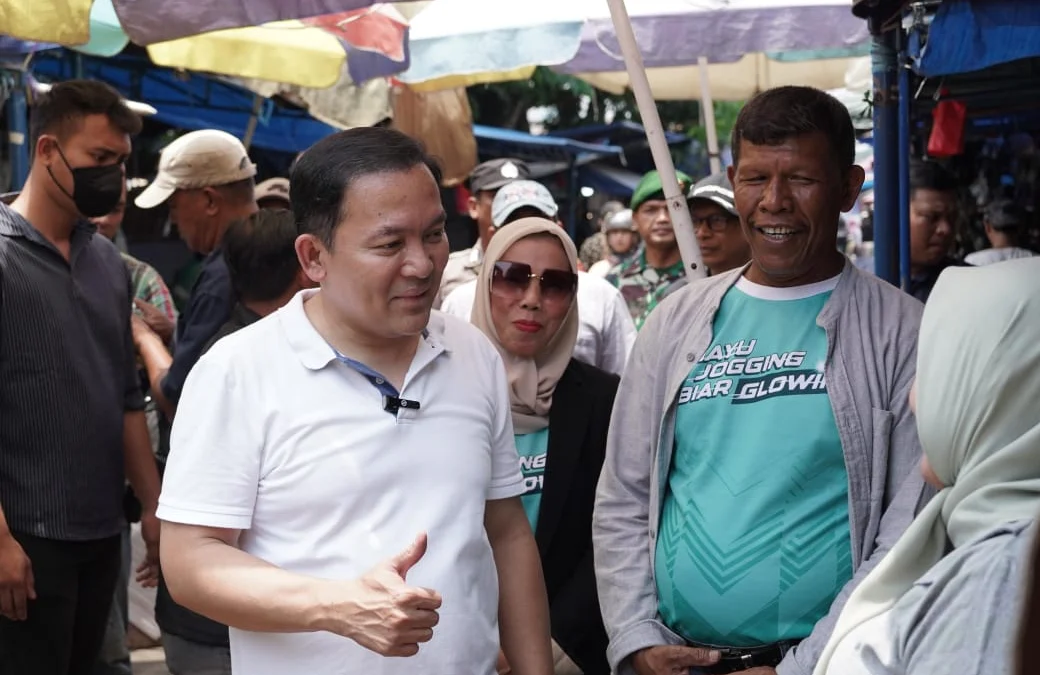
(948,596)
(561,407)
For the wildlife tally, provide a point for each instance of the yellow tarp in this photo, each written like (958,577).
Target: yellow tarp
(281,51)
(62,21)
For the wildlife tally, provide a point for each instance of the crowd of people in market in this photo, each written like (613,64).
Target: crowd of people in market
(356,452)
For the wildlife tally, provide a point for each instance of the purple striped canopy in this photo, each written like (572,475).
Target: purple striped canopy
(150,21)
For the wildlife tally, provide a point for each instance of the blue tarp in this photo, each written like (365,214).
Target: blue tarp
(496,142)
(190,100)
(611,180)
(970,35)
(616,133)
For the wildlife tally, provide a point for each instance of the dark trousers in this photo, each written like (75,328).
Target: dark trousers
(66,623)
(114,658)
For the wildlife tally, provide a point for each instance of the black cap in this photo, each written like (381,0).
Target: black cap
(717,189)
(1004,214)
(495,173)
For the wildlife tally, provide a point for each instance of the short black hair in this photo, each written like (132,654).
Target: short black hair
(928,175)
(67,103)
(321,176)
(775,115)
(260,252)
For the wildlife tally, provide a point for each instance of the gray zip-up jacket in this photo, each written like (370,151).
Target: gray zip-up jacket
(871,331)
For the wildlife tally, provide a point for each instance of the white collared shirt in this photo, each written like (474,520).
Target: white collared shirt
(462,267)
(278,438)
(606,332)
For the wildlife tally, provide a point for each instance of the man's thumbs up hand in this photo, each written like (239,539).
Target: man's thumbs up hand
(406,559)
(386,615)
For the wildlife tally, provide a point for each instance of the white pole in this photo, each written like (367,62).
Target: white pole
(688,248)
(708,116)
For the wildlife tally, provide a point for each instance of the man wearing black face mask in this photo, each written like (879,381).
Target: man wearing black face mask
(72,423)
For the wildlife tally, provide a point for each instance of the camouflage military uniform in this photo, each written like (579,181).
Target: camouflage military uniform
(643,286)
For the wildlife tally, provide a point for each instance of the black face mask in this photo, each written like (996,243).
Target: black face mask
(95,189)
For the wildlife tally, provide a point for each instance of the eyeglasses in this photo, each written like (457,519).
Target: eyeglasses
(715,222)
(511,280)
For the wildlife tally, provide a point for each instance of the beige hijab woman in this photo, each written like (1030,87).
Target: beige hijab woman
(978,384)
(531,381)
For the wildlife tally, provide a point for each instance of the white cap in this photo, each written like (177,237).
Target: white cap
(521,193)
(273,188)
(199,159)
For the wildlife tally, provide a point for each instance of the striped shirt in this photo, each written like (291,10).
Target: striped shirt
(67,375)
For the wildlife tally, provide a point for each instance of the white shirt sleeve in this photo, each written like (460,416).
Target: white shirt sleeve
(459,302)
(506,479)
(216,445)
(619,332)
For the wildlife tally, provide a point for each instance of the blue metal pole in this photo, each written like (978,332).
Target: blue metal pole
(574,197)
(18,132)
(886,157)
(904,162)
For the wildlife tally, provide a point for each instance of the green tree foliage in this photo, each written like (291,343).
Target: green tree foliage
(574,103)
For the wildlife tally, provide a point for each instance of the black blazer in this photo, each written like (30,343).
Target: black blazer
(578,421)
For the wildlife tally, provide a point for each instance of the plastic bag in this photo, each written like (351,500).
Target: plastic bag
(947,137)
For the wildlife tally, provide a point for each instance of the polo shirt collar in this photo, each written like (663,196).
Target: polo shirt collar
(315,353)
(13,224)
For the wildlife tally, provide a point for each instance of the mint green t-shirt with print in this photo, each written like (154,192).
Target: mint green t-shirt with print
(754,540)
(533,449)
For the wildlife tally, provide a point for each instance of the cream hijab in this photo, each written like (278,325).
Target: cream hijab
(978,388)
(531,381)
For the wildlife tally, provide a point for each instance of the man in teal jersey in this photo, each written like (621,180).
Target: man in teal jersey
(762,451)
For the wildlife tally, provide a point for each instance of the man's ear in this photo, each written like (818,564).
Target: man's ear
(309,251)
(853,185)
(303,281)
(46,148)
(471,207)
(213,199)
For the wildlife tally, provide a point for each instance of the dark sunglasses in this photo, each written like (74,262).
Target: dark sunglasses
(715,222)
(512,279)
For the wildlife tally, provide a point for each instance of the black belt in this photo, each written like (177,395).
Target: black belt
(735,660)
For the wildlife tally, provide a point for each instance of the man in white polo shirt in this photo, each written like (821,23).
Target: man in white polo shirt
(606,332)
(343,485)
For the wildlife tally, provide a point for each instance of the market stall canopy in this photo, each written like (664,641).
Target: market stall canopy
(443,121)
(191,100)
(303,42)
(968,36)
(344,105)
(461,42)
(881,10)
(623,133)
(496,142)
(145,22)
(611,180)
(737,81)
(631,137)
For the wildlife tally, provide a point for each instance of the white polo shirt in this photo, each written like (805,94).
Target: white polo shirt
(277,437)
(606,332)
